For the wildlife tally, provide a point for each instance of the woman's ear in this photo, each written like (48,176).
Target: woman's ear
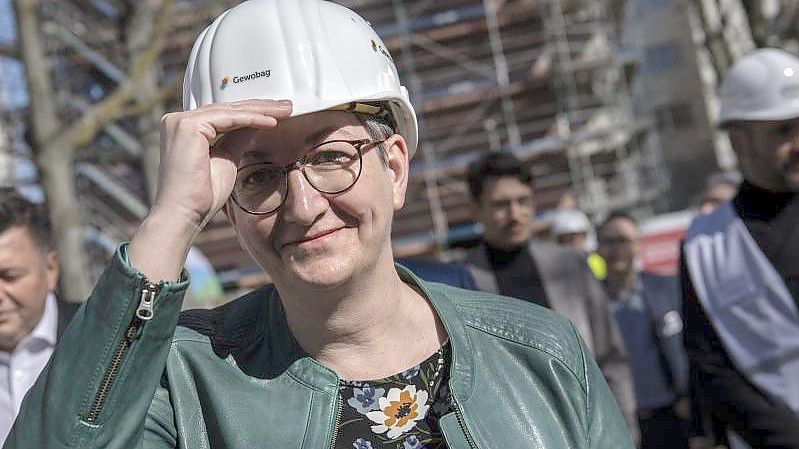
(398,165)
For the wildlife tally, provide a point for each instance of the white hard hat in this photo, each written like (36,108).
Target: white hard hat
(316,53)
(763,85)
(570,221)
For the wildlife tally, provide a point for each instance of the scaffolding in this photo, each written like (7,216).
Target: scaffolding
(539,78)
(613,155)
(85,46)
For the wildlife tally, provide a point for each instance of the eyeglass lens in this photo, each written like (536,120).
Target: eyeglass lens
(331,167)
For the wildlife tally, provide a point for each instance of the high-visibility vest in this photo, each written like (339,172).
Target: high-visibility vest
(747,302)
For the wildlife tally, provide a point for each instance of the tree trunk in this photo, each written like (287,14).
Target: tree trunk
(7,177)
(58,180)
(139,33)
(149,130)
(54,163)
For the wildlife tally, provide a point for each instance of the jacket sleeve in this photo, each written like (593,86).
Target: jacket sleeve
(727,396)
(664,303)
(97,388)
(609,350)
(606,425)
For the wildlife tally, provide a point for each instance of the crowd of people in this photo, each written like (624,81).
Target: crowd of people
(525,342)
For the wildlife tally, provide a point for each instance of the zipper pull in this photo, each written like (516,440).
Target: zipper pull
(145,310)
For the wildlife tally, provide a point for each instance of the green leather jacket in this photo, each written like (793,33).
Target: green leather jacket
(235,378)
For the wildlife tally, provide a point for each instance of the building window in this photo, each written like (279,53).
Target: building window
(662,57)
(674,116)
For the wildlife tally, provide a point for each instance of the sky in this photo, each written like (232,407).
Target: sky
(12,91)
(13,95)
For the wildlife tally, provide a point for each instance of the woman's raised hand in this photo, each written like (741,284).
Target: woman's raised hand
(195,180)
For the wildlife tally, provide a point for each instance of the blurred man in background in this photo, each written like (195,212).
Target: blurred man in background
(647,308)
(31,319)
(740,264)
(510,263)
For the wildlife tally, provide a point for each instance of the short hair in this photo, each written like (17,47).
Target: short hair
(616,215)
(378,129)
(495,165)
(380,126)
(16,210)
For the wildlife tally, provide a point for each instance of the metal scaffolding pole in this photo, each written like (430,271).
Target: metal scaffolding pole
(502,75)
(437,213)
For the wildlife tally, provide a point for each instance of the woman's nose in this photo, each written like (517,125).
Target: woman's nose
(304,204)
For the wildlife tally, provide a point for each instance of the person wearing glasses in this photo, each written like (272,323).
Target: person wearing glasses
(648,309)
(346,349)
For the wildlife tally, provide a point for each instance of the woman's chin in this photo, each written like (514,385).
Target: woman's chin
(320,273)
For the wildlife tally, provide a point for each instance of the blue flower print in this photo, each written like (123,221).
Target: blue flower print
(360,443)
(409,374)
(412,442)
(365,399)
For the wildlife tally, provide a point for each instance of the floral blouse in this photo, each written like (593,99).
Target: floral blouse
(399,412)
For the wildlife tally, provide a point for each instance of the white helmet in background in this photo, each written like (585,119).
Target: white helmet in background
(316,53)
(570,221)
(763,85)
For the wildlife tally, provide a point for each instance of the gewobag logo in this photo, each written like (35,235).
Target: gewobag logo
(242,78)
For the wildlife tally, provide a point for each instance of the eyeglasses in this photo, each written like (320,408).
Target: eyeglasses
(331,167)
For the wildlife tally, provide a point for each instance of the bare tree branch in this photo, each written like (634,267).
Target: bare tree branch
(113,107)
(165,92)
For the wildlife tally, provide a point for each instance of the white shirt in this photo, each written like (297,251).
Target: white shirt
(19,369)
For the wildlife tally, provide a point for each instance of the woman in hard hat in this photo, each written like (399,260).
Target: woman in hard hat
(346,350)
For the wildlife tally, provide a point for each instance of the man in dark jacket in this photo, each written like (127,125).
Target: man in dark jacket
(648,308)
(31,319)
(740,270)
(510,263)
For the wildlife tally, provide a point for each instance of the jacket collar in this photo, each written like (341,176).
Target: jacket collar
(253,329)
(462,365)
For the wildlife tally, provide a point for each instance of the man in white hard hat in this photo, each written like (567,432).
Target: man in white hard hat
(346,349)
(571,227)
(740,264)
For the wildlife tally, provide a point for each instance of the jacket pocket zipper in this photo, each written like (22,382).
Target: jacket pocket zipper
(143,313)
(462,422)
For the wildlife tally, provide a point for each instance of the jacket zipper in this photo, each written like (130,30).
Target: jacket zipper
(337,421)
(461,422)
(143,313)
